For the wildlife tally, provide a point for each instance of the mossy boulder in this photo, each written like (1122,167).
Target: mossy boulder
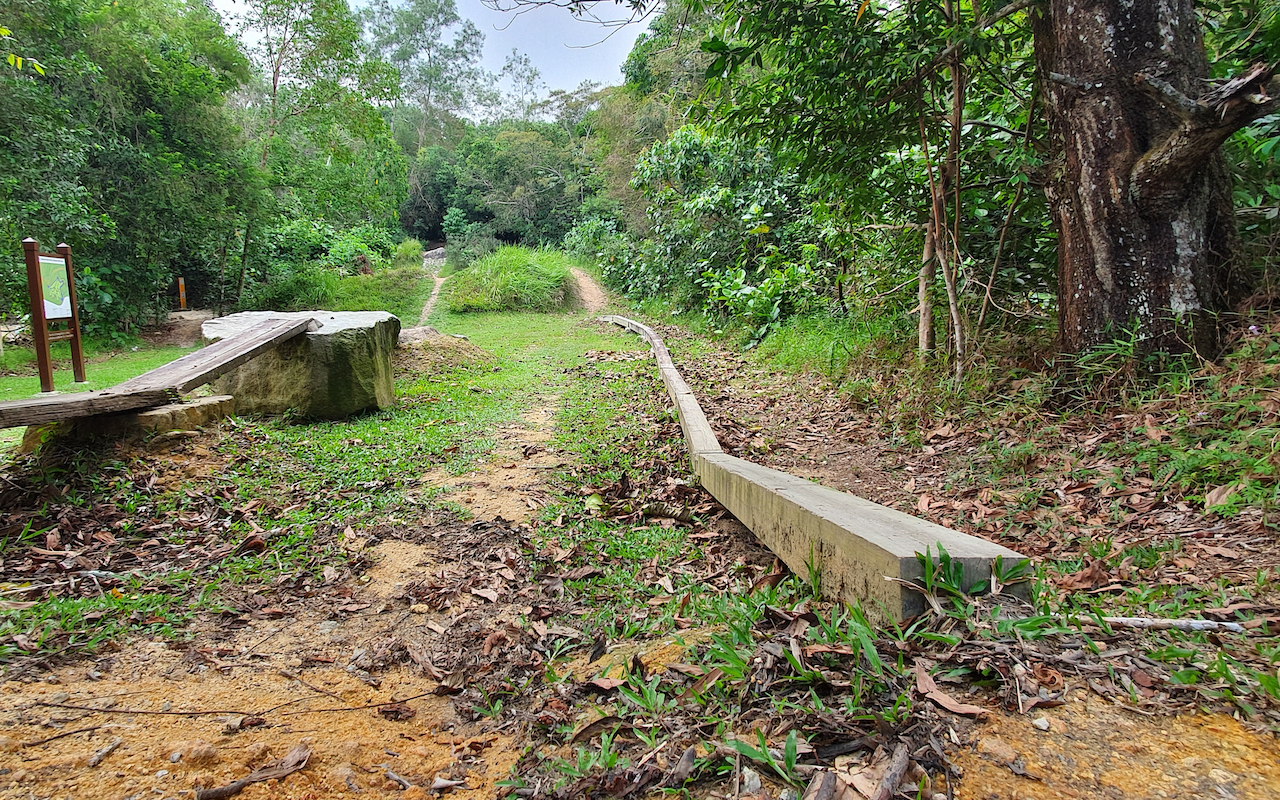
(340,369)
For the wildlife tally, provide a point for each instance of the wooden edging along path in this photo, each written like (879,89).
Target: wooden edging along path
(855,549)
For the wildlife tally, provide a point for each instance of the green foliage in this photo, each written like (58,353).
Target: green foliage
(407,254)
(599,241)
(783,764)
(785,290)
(523,182)
(123,149)
(440,78)
(511,279)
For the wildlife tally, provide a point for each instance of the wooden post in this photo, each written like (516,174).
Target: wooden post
(182,293)
(77,352)
(40,318)
(39,328)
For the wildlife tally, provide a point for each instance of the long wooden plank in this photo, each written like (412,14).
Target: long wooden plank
(39,410)
(205,365)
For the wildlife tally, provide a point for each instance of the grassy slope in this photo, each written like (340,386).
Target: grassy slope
(512,278)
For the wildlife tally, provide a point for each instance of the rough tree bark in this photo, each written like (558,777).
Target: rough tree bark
(1140,194)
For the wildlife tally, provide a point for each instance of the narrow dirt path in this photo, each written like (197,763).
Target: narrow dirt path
(433,266)
(592,296)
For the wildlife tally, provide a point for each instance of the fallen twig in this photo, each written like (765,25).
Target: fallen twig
(144,711)
(893,775)
(295,677)
(96,758)
(357,708)
(1153,624)
(404,784)
(39,742)
(274,770)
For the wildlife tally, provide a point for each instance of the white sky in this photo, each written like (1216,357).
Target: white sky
(565,50)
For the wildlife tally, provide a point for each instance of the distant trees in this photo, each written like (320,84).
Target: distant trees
(123,148)
(929,116)
(440,77)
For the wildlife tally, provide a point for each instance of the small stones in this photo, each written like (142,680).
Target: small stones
(1041,723)
(194,753)
(255,754)
(997,748)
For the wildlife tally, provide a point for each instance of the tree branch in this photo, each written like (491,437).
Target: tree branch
(1166,172)
(941,58)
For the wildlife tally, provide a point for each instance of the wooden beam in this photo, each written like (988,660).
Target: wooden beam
(39,410)
(205,365)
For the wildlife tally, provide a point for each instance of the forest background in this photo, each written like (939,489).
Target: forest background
(858,175)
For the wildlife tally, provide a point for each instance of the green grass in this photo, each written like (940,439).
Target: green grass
(313,478)
(407,254)
(104,368)
(403,292)
(511,279)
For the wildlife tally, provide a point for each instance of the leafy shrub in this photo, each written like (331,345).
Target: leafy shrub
(408,254)
(785,290)
(597,240)
(468,241)
(455,225)
(358,249)
(309,288)
(512,278)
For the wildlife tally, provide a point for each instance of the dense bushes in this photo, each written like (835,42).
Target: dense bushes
(512,279)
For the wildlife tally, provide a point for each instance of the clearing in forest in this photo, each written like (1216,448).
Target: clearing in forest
(508,586)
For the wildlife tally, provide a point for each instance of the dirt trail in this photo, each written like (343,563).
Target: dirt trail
(278,677)
(432,265)
(430,606)
(592,296)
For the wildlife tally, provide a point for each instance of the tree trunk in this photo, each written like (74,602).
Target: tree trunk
(924,296)
(1139,194)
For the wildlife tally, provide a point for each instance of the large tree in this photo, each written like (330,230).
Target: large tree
(1140,195)
(438,56)
(1137,189)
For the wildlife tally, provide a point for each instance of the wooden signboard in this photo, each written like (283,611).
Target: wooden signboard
(51,286)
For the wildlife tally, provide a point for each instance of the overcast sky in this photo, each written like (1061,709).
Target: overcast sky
(565,50)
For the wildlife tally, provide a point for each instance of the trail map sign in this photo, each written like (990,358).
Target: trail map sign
(51,287)
(55,287)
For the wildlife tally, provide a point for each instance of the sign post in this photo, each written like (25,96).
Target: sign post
(51,287)
(182,293)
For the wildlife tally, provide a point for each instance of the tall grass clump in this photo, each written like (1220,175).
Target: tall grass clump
(401,291)
(510,279)
(407,254)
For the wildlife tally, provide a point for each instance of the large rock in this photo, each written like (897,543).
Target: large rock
(340,369)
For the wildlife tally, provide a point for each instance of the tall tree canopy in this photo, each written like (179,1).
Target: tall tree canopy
(1130,163)
(440,77)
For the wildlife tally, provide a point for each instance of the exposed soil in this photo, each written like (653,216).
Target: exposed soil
(182,329)
(433,266)
(425,350)
(1093,749)
(590,295)
(385,668)
(512,484)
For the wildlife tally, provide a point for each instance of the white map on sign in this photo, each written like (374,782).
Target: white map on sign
(57,294)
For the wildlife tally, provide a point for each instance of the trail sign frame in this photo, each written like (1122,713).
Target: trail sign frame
(51,287)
